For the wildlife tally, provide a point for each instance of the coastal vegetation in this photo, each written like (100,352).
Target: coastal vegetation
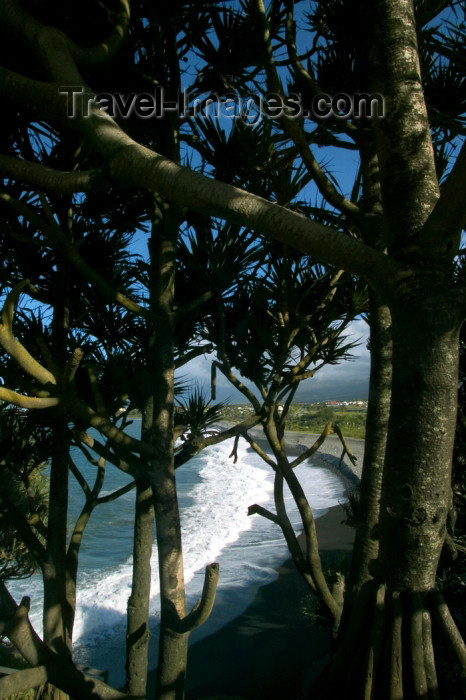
(312,418)
(254,254)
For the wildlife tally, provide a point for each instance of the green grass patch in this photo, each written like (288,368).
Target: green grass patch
(309,418)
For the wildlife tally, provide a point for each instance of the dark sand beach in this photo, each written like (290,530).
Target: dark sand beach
(272,651)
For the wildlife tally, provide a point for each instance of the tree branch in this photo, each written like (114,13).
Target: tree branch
(196,352)
(84,413)
(259,451)
(116,494)
(259,510)
(12,346)
(448,217)
(51,180)
(101,54)
(313,562)
(346,449)
(72,367)
(133,466)
(131,164)
(294,131)
(15,624)
(86,489)
(195,446)
(188,309)
(22,680)
(328,430)
(22,401)
(203,607)
(225,369)
(309,80)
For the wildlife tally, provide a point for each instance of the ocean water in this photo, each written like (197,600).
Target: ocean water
(214,496)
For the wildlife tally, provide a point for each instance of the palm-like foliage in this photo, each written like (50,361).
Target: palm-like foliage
(279,320)
(196,414)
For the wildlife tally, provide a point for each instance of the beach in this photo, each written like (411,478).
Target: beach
(257,642)
(273,651)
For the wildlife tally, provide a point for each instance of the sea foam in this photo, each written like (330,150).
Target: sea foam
(214,495)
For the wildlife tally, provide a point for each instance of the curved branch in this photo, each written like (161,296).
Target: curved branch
(195,352)
(103,53)
(225,369)
(25,679)
(448,217)
(193,447)
(15,624)
(12,346)
(203,607)
(116,494)
(310,451)
(81,480)
(260,510)
(72,367)
(96,393)
(259,451)
(84,413)
(234,452)
(51,180)
(48,358)
(135,467)
(346,449)
(188,309)
(41,99)
(294,131)
(132,164)
(28,29)
(27,401)
(294,546)
(293,52)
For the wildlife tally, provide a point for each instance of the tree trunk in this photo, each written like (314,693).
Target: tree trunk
(172,661)
(407,645)
(172,666)
(416,492)
(56,635)
(378,410)
(137,630)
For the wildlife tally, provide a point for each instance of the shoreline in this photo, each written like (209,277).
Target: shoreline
(272,651)
(329,454)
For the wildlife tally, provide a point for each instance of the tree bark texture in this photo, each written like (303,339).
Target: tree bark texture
(400,645)
(137,629)
(396,622)
(172,661)
(378,410)
(416,492)
(54,567)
